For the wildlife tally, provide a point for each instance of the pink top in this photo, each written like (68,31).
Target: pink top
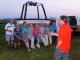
(36,31)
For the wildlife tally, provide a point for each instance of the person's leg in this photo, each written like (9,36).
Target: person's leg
(25,39)
(27,45)
(38,41)
(12,43)
(18,44)
(7,39)
(57,54)
(8,43)
(12,40)
(43,40)
(15,45)
(32,43)
(50,40)
(54,40)
(46,38)
(65,56)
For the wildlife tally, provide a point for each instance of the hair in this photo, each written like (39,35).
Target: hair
(11,20)
(64,18)
(24,22)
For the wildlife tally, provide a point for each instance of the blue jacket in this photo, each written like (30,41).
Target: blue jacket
(53,28)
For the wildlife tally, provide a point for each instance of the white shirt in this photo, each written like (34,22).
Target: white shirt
(10,27)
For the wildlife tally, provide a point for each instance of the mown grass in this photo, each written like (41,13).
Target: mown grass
(45,53)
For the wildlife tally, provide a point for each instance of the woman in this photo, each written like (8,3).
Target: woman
(36,33)
(25,35)
(31,36)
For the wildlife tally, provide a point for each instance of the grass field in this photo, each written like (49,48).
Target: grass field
(46,53)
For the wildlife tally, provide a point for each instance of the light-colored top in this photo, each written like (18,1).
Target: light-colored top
(30,31)
(42,30)
(11,27)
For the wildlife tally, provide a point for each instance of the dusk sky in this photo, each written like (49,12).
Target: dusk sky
(54,8)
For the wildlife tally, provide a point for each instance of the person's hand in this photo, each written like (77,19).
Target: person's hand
(51,33)
(56,47)
(19,38)
(10,31)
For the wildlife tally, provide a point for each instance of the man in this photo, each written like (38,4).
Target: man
(64,38)
(9,28)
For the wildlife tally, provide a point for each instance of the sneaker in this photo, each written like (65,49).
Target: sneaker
(29,50)
(38,45)
(33,48)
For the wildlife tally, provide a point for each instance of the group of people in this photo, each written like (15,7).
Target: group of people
(42,33)
(29,33)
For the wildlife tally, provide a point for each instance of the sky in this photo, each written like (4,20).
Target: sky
(54,8)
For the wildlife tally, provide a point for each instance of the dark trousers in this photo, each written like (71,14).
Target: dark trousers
(54,40)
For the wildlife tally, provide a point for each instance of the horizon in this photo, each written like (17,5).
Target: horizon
(54,8)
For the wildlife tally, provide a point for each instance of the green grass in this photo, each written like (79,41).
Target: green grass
(38,54)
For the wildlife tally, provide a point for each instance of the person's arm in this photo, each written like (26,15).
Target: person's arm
(6,29)
(28,32)
(17,36)
(60,37)
(58,43)
(55,34)
(56,28)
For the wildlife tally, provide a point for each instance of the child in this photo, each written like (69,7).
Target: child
(17,36)
(36,33)
(30,36)
(25,36)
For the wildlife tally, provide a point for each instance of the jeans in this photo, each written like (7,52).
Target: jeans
(59,54)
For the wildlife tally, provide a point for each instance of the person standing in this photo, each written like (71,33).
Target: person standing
(64,39)
(53,28)
(9,35)
(17,36)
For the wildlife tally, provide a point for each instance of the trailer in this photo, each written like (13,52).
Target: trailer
(32,20)
(73,21)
